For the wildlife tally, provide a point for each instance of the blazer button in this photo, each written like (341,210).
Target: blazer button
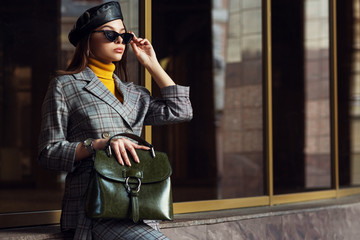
(105,135)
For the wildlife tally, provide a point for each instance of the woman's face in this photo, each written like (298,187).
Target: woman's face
(104,50)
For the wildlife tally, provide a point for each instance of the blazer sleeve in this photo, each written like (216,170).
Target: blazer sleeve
(55,152)
(173,107)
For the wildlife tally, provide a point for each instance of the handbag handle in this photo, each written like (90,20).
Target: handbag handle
(132,136)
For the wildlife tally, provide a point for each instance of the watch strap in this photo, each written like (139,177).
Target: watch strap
(88,144)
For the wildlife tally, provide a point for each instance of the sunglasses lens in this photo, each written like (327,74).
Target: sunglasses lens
(111,35)
(127,37)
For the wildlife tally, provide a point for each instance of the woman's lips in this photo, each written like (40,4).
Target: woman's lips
(119,50)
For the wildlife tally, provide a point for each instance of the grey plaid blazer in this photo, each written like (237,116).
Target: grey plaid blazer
(79,106)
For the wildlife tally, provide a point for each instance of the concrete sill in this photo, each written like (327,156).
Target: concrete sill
(183,221)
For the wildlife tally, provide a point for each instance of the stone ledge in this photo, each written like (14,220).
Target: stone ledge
(34,233)
(327,219)
(194,220)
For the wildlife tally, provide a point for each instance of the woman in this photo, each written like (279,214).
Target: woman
(88,103)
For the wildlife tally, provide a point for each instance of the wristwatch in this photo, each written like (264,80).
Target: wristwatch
(88,144)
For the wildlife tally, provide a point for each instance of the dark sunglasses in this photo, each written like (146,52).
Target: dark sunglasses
(112,36)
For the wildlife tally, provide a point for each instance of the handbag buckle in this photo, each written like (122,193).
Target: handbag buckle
(129,189)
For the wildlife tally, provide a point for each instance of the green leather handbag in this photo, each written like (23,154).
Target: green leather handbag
(139,192)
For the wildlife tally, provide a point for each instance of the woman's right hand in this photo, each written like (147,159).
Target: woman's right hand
(119,147)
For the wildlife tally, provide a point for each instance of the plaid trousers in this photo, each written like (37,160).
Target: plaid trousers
(109,229)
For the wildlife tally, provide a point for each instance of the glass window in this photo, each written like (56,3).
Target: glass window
(349,92)
(27,58)
(215,47)
(24,75)
(301,101)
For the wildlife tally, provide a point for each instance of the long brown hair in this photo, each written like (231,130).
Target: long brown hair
(79,60)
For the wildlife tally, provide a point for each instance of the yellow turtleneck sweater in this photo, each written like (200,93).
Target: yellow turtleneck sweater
(105,73)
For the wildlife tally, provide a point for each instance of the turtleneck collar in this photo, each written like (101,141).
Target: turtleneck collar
(102,70)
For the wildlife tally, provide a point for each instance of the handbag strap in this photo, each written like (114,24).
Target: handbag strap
(134,198)
(140,141)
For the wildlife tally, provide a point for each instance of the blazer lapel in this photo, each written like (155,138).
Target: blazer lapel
(131,96)
(97,88)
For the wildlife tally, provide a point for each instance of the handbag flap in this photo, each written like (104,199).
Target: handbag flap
(149,170)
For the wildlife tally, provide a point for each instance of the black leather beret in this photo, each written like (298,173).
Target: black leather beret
(93,18)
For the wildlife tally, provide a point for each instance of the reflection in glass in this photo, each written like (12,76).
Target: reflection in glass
(24,76)
(349,92)
(301,102)
(216,48)
(317,101)
(241,124)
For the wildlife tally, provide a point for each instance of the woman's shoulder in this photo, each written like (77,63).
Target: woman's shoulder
(60,81)
(70,78)
(66,82)
(63,78)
